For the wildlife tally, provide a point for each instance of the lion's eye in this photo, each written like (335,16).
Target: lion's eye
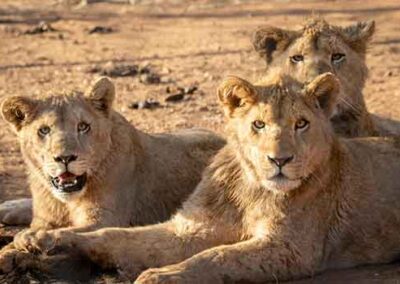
(297,58)
(83,127)
(44,130)
(258,124)
(301,124)
(338,57)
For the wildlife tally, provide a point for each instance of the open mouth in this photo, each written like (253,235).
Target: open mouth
(68,182)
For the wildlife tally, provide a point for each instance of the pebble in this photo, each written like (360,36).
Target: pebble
(146,104)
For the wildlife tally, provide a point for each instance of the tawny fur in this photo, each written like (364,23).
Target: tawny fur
(320,43)
(133,178)
(337,204)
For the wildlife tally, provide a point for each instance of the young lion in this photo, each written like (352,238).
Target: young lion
(317,48)
(285,198)
(90,168)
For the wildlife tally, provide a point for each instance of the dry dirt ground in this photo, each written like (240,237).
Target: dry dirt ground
(187,43)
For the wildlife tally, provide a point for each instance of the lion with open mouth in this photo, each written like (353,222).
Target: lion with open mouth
(88,167)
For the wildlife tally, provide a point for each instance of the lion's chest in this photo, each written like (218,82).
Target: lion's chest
(261,222)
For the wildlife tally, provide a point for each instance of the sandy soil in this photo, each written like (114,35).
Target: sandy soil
(185,42)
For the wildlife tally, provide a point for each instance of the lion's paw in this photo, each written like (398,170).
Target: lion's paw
(7,260)
(159,275)
(16,212)
(11,259)
(35,240)
(172,274)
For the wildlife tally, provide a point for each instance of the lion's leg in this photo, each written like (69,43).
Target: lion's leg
(85,221)
(16,212)
(132,249)
(252,260)
(149,246)
(28,239)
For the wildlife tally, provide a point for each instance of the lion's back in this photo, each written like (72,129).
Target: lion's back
(199,144)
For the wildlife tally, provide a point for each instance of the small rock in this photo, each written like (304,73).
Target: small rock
(112,69)
(146,104)
(179,93)
(100,30)
(175,98)
(42,27)
(190,90)
(186,90)
(115,70)
(389,73)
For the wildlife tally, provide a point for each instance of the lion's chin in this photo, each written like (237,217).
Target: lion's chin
(281,184)
(68,197)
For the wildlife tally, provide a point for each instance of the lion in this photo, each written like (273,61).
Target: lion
(284,199)
(319,47)
(316,48)
(88,167)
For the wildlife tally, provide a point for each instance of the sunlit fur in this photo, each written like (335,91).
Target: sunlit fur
(62,113)
(133,178)
(342,210)
(280,109)
(317,41)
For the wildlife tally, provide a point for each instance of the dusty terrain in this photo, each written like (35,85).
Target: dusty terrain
(186,44)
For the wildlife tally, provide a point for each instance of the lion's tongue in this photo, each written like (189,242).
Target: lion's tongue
(66,177)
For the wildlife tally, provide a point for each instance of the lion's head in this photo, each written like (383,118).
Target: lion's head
(63,138)
(279,128)
(318,48)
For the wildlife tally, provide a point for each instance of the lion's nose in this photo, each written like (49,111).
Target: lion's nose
(65,159)
(281,161)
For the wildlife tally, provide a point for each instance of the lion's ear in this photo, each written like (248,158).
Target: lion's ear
(101,94)
(18,111)
(324,90)
(235,93)
(358,35)
(271,40)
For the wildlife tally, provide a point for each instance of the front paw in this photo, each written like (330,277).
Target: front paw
(161,275)
(35,240)
(8,260)
(176,274)
(11,259)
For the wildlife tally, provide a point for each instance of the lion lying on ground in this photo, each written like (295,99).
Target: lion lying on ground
(303,54)
(284,199)
(319,47)
(90,168)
